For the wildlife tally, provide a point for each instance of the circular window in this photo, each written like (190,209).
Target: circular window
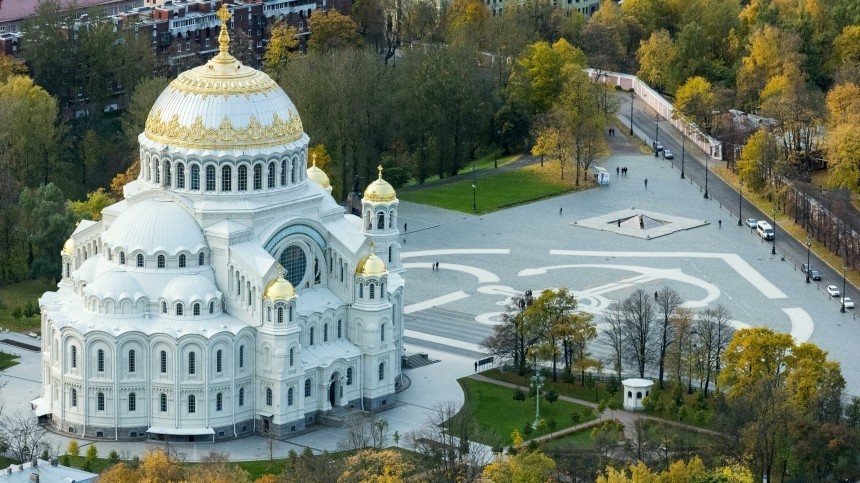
(295,263)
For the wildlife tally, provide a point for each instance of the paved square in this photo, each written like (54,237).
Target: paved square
(645,224)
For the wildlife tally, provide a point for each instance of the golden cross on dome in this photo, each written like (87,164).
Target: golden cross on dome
(380,171)
(371,242)
(224,37)
(315,158)
(281,271)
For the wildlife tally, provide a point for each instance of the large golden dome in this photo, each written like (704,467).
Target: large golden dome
(371,265)
(69,247)
(318,175)
(279,288)
(223,105)
(380,190)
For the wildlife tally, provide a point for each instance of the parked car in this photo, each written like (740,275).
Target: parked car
(833,290)
(764,230)
(805,267)
(668,154)
(847,302)
(813,274)
(751,222)
(657,146)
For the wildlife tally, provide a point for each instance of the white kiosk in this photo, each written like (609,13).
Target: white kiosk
(635,390)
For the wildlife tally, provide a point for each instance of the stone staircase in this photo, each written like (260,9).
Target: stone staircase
(338,416)
(417,360)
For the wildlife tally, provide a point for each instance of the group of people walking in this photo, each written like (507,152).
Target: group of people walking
(621,171)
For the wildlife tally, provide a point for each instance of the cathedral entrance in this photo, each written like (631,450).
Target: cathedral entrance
(334,390)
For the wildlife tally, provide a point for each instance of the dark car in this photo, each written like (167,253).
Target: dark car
(813,274)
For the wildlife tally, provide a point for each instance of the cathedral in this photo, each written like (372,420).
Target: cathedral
(228,294)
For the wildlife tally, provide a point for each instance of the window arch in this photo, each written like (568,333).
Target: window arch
(307,388)
(161,261)
(195,177)
(360,290)
(210,178)
(325,332)
(212,307)
(382,332)
(163,307)
(180,176)
(270,176)
(140,260)
(241,356)
(196,309)
(372,290)
(218,360)
(182,261)
(226,178)
(258,177)
(180,309)
(290,397)
(280,315)
(241,396)
(349,376)
(339,329)
(163,362)
(380,221)
(381,371)
(293,172)
(74,397)
(219,401)
(132,362)
(311,336)
(243,178)
(268,396)
(162,402)
(201,259)
(132,402)
(292,353)
(122,258)
(100,401)
(100,360)
(192,366)
(192,404)
(74,357)
(167,178)
(283,173)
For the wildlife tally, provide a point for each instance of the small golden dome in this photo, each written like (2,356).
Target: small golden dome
(280,288)
(318,175)
(69,247)
(380,190)
(371,265)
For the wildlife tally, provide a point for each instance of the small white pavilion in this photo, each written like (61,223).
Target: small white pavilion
(635,390)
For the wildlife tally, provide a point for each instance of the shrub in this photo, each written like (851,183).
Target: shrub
(683,413)
(589,380)
(92,453)
(113,457)
(533,446)
(551,396)
(575,417)
(73,449)
(612,385)
(701,403)
(527,429)
(541,426)
(64,460)
(16,313)
(519,395)
(552,424)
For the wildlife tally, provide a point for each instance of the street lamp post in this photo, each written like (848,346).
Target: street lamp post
(808,268)
(496,158)
(844,267)
(656,133)
(706,177)
(537,382)
(773,217)
(632,98)
(474,190)
(740,201)
(683,145)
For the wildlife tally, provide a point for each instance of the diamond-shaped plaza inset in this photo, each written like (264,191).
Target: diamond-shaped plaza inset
(640,223)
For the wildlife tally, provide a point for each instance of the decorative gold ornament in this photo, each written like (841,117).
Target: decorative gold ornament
(198,135)
(380,190)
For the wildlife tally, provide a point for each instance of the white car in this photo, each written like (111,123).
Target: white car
(751,222)
(833,290)
(847,302)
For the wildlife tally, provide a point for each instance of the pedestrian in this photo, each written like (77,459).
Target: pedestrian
(655,295)
(437,266)
(560,210)
(617,170)
(720,223)
(646,182)
(619,223)
(405,227)
(610,131)
(476,366)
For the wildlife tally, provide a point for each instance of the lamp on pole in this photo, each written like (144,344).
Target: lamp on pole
(706,177)
(656,132)
(474,190)
(773,217)
(537,382)
(496,158)
(632,98)
(808,268)
(844,267)
(683,145)
(740,201)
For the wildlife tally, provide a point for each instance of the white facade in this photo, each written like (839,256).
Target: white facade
(635,390)
(174,318)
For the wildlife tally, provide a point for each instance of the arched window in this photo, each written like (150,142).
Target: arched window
(192,404)
(167,179)
(372,290)
(241,356)
(180,176)
(283,173)
(268,314)
(163,362)
(201,259)
(307,388)
(382,290)
(241,396)
(258,177)
(291,313)
(157,173)
(139,260)
(638,395)
(195,177)
(100,360)
(361,290)
(210,178)
(382,332)
(311,336)
(380,221)
(181,261)
(122,258)
(290,397)
(132,363)
(161,261)
(226,179)
(74,398)
(163,307)
(268,396)
(381,371)
(218,361)
(280,315)
(349,376)
(292,352)
(192,367)
(132,402)
(219,401)
(100,401)
(180,309)
(74,357)
(629,393)
(339,329)
(243,178)
(162,402)
(212,307)
(196,309)
(293,173)
(325,333)
(270,176)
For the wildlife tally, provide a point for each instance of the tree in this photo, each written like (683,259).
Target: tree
(758,165)
(537,78)
(507,35)
(134,116)
(667,303)
(613,335)
(10,66)
(73,449)
(695,100)
(420,21)
(363,431)
(157,465)
(655,56)
(580,113)
(840,142)
(283,45)
(23,435)
(554,311)
(639,329)
(465,21)
(311,468)
(794,107)
(375,466)
(553,141)
(770,50)
(216,468)
(522,467)
(48,223)
(121,179)
(331,30)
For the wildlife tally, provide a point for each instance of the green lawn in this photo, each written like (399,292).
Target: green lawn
(495,410)
(594,394)
(7,361)
(577,440)
(498,191)
(18,295)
